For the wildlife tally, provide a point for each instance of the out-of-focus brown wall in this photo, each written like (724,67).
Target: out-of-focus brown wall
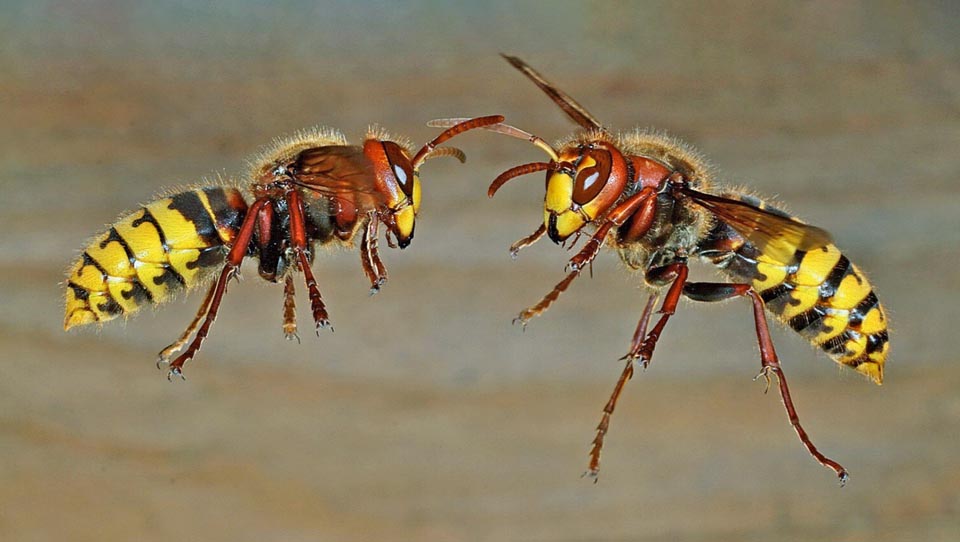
(426,415)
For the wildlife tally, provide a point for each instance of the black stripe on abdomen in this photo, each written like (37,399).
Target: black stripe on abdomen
(138,293)
(862,308)
(837,345)
(835,277)
(189,206)
(876,341)
(810,323)
(150,219)
(227,215)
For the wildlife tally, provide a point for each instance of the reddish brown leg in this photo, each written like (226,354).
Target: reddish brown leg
(298,240)
(164,356)
(643,205)
(230,269)
(369,255)
(678,271)
(531,312)
(642,202)
(289,309)
(641,332)
(770,363)
(374,229)
(391,242)
(590,249)
(366,261)
(594,468)
(527,241)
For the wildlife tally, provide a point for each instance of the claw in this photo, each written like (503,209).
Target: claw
(765,373)
(375,287)
(523,322)
(844,476)
(633,357)
(163,357)
(291,336)
(323,324)
(594,474)
(175,371)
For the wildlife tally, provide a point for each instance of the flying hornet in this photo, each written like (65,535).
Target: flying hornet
(312,189)
(653,199)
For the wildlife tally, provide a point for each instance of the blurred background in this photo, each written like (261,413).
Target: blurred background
(427,415)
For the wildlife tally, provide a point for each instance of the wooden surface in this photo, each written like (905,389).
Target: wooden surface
(426,416)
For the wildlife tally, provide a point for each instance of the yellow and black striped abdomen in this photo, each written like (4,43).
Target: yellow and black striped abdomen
(829,301)
(152,253)
(819,293)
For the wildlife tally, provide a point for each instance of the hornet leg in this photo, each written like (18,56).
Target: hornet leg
(677,272)
(643,202)
(165,354)
(298,238)
(769,362)
(527,241)
(373,227)
(215,295)
(289,309)
(594,468)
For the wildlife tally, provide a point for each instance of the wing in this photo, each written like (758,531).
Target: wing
(570,106)
(339,172)
(775,235)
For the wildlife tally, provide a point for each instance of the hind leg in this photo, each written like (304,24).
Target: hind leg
(769,362)
(211,303)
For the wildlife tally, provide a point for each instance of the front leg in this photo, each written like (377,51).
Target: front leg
(642,203)
(373,227)
(641,207)
(769,362)
(369,256)
(527,241)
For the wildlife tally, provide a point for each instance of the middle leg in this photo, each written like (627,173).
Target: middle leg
(298,240)
(676,272)
(594,469)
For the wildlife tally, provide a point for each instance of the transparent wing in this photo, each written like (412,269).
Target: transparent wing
(775,235)
(339,172)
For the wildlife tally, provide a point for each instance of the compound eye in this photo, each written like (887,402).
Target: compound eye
(592,176)
(400,166)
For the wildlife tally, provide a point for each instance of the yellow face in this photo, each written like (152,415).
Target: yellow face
(416,192)
(578,191)
(559,215)
(406,216)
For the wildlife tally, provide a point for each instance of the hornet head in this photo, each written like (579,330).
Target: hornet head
(397,174)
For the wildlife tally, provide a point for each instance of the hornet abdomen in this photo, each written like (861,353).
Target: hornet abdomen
(149,255)
(819,293)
